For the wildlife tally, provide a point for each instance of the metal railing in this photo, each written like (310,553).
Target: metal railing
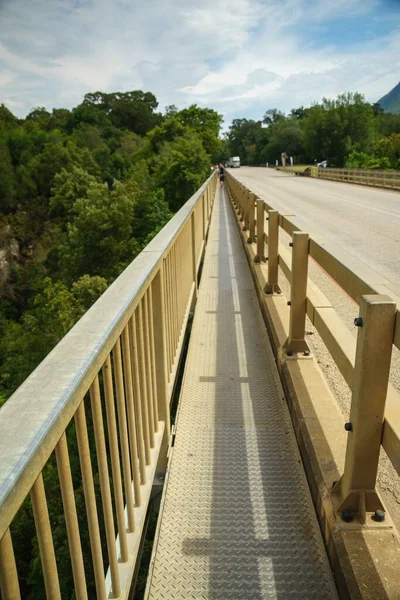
(364,363)
(387,179)
(115,369)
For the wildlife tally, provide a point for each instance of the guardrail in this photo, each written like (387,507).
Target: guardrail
(114,371)
(386,179)
(364,363)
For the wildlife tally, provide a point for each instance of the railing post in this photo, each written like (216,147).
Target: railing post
(298,295)
(245,209)
(356,487)
(246,216)
(273,249)
(242,203)
(259,257)
(252,222)
(238,199)
(160,346)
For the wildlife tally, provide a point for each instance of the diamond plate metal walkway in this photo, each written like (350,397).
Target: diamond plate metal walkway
(237,517)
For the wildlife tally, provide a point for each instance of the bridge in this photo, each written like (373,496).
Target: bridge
(267,491)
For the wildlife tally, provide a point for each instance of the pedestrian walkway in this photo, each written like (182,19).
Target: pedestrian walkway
(237,518)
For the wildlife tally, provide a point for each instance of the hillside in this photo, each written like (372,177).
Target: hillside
(391,101)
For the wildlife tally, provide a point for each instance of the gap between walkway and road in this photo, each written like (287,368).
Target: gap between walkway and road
(237,520)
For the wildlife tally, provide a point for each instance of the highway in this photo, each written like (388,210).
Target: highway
(363,220)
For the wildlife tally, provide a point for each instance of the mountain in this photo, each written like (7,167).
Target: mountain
(391,102)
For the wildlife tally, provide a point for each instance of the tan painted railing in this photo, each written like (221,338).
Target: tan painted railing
(387,179)
(116,368)
(364,363)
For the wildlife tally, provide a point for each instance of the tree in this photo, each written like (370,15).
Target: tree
(335,128)
(286,135)
(133,110)
(180,169)
(7,179)
(273,115)
(67,188)
(242,138)
(151,214)
(99,234)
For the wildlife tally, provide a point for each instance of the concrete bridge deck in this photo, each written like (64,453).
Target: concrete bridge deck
(237,519)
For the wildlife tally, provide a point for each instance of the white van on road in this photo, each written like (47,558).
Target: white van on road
(234,162)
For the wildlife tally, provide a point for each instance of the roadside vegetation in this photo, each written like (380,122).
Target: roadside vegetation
(346,132)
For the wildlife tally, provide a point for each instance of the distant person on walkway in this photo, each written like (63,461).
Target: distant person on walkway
(221,174)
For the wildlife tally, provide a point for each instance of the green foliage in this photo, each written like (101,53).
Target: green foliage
(242,138)
(151,214)
(342,131)
(7,179)
(134,111)
(386,155)
(81,193)
(99,233)
(180,168)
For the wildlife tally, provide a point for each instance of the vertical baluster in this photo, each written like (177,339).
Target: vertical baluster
(147,365)
(169,309)
(147,362)
(101,452)
(204,216)
(173,305)
(131,414)
(9,585)
(71,518)
(194,253)
(152,356)
(164,272)
(159,316)
(115,460)
(45,540)
(123,434)
(142,374)
(174,300)
(180,277)
(90,501)
(142,434)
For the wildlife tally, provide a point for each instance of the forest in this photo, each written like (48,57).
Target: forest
(82,191)
(346,132)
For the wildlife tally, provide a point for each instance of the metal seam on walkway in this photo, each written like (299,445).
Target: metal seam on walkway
(237,521)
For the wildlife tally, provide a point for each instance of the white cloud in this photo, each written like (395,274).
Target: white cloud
(240,57)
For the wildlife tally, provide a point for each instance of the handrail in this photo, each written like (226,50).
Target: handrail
(128,344)
(373,292)
(376,178)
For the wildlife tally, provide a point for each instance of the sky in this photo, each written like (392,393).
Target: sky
(240,57)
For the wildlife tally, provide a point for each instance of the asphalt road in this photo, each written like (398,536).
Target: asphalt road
(363,220)
(366,222)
